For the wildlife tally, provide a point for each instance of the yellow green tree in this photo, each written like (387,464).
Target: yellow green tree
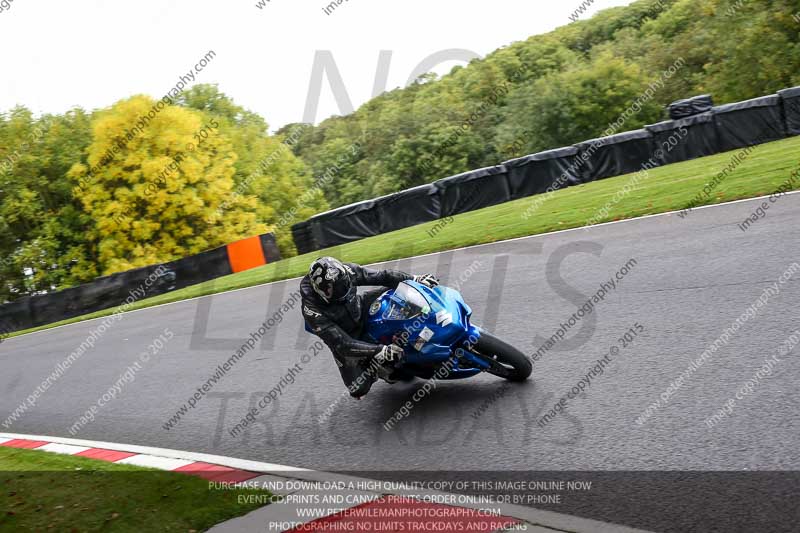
(266,167)
(154,180)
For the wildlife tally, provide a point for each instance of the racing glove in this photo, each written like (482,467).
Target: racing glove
(429,280)
(390,353)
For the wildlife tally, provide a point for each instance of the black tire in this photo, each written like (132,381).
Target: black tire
(513,364)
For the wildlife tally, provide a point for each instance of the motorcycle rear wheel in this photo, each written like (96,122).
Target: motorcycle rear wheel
(505,360)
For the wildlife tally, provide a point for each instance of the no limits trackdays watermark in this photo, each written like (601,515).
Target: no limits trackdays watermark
(222,370)
(290,422)
(598,369)
(258,420)
(585,310)
(498,269)
(289,378)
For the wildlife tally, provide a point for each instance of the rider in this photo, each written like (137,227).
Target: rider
(335,312)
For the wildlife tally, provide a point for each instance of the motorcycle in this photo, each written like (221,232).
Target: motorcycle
(433,327)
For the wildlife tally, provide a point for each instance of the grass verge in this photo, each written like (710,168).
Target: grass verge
(51,492)
(668,188)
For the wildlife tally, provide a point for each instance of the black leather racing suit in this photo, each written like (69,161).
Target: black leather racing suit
(340,324)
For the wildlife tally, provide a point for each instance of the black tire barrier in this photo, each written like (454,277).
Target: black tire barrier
(791,109)
(685,139)
(690,106)
(748,123)
(303,237)
(409,208)
(618,154)
(473,190)
(700,130)
(118,289)
(345,224)
(543,172)
(269,245)
(703,130)
(447,197)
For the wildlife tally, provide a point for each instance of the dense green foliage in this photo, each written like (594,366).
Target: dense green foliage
(84,195)
(548,91)
(575,81)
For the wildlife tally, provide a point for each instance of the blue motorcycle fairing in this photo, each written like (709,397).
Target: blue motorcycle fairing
(436,323)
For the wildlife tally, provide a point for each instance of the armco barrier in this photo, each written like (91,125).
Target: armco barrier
(535,174)
(723,128)
(748,123)
(145,282)
(615,155)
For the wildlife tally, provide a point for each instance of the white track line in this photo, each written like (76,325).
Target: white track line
(538,235)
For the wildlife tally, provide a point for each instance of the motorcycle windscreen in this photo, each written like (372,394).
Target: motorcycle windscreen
(406,303)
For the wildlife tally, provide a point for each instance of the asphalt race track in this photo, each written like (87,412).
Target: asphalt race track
(692,278)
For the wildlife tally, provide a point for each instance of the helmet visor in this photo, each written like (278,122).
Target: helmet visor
(343,289)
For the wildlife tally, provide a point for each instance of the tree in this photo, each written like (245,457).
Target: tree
(760,57)
(266,169)
(155,187)
(578,104)
(42,229)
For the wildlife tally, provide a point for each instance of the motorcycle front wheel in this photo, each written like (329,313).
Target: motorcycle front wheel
(505,360)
